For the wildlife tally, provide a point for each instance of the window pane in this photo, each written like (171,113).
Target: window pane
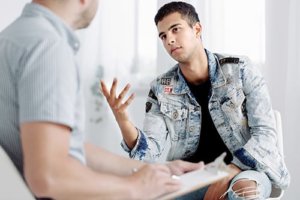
(146,36)
(236,27)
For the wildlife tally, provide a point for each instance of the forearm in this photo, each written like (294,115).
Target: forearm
(119,107)
(129,132)
(72,180)
(97,157)
(50,171)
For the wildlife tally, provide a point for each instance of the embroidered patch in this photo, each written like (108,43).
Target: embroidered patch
(148,106)
(165,81)
(168,89)
(229,60)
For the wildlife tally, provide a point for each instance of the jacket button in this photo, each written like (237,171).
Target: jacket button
(192,128)
(175,115)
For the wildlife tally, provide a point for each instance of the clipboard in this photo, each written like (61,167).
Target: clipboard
(197,179)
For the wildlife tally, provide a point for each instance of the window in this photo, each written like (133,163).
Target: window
(236,27)
(125,43)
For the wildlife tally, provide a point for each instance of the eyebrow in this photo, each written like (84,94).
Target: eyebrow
(169,29)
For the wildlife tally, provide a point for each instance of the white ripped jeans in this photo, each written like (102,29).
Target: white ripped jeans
(260,192)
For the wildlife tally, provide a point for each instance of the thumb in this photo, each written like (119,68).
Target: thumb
(188,166)
(194,166)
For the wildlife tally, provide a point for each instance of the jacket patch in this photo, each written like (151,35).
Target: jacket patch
(168,89)
(148,106)
(229,60)
(165,81)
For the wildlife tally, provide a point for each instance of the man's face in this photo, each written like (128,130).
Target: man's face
(179,39)
(89,14)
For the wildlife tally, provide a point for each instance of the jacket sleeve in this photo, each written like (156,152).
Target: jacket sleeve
(152,139)
(261,152)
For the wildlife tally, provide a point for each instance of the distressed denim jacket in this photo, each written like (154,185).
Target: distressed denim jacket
(239,105)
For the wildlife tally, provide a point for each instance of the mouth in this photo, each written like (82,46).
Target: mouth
(175,49)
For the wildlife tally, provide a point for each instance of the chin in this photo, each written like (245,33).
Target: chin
(83,26)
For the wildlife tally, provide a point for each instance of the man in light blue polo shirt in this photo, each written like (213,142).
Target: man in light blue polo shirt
(41,119)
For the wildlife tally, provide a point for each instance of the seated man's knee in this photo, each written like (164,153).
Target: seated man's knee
(245,189)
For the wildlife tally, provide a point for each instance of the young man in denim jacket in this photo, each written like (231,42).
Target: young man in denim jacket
(205,105)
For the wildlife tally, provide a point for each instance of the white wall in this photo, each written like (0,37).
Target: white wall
(283,74)
(10,10)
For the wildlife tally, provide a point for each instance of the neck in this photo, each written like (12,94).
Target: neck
(63,9)
(196,71)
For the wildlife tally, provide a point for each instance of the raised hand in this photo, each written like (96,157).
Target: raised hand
(129,132)
(116,101)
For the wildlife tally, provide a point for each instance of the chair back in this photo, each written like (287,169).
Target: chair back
(277,193)
(12,185)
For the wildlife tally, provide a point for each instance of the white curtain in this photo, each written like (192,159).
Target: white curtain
(283,74)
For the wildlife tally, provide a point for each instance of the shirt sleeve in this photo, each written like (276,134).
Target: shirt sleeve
(47,83)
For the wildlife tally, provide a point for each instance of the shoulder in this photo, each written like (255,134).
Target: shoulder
(239,66)
(234,63)
(224,59)
(31,32)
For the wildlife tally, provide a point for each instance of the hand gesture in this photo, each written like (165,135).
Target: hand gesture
(116,101)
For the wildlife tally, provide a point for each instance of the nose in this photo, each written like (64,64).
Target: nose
(171,40)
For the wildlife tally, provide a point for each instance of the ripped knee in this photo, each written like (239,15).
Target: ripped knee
(245,189)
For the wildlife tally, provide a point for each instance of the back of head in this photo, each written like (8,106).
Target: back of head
(76,13)
(187,11)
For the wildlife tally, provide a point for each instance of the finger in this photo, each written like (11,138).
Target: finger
(164,169)
(172,188)
(113,88)
(121,96)
(124,91)
(127,102)
(188,166)
(172,184)
(103,89)
(193,166)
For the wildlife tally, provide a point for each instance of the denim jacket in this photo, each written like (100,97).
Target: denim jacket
(240,107)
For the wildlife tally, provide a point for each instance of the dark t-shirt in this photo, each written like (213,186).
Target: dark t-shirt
(211,144)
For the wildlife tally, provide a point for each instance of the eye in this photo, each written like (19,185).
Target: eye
(175,29)
(163,37)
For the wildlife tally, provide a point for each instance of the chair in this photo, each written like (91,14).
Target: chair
(277,193)
(12,185)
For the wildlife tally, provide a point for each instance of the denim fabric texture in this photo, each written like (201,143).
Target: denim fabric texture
(264,186)
(240,107)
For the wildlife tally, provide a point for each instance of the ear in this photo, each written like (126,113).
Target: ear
(198,29)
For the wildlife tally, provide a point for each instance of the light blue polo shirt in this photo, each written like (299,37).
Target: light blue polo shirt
(39,79)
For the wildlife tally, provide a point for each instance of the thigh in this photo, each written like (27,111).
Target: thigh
(263,185)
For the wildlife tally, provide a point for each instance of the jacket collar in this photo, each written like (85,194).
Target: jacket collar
(216,75)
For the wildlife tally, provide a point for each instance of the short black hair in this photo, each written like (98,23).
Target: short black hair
(187,12)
